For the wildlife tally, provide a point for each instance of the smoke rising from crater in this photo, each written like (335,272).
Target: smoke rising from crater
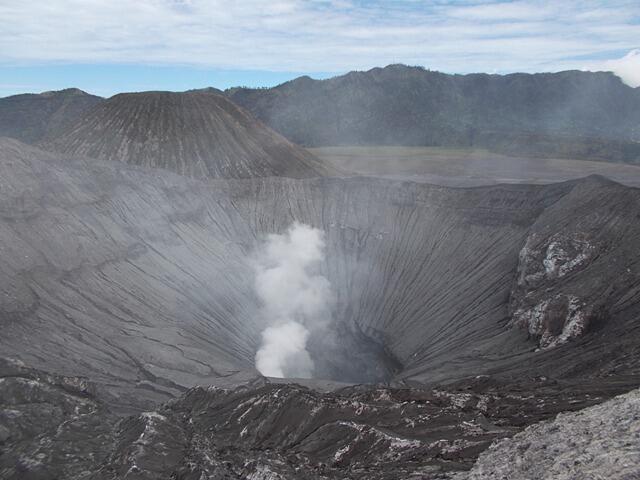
(296,298)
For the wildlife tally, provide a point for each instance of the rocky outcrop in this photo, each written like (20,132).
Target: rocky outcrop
(569,280)
(200,134)
(597,442)
(260,430)
(553,318)
(49,424)
(290,432)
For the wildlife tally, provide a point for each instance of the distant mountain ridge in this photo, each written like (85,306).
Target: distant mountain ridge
(199,133)
(30,117)
(570,114)
(573,113)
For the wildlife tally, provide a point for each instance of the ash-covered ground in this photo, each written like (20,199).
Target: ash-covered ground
(131,320)
(57,427)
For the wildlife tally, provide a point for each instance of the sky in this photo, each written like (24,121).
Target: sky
(110,46)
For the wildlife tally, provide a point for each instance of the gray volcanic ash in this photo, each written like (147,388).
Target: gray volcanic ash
(148,277)
(483,310)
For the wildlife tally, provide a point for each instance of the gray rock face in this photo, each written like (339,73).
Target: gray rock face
(597,442)
(569,281)
(199,134)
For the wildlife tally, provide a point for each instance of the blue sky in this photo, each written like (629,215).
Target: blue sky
(108,79)
(109,46)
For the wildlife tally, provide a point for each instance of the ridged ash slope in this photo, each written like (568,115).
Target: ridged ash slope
(200,134)
(31,117)
(139,278)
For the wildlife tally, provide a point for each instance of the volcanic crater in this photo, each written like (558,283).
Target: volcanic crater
(431,283)
(131,321)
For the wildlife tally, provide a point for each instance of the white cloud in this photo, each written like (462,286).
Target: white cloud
(524,11)
(627,68)
(318,35)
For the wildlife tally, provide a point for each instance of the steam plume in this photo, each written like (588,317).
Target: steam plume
(296,300)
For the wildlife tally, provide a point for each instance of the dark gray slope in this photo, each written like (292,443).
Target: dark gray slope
(567,114)
(139,279)
(55,427)
(200,134)
(31,117)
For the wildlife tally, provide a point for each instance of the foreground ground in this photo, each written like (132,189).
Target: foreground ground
(54,427)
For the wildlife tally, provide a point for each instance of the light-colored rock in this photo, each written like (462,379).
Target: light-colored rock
(601,442)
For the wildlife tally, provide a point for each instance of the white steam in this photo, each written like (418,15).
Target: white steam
(296,300)
(627,68)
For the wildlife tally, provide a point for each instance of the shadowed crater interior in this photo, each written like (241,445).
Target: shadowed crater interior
(353,357)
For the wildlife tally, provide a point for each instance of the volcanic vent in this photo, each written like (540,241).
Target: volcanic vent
(302,339)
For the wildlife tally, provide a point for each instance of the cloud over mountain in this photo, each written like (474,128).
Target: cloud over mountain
(627,68)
